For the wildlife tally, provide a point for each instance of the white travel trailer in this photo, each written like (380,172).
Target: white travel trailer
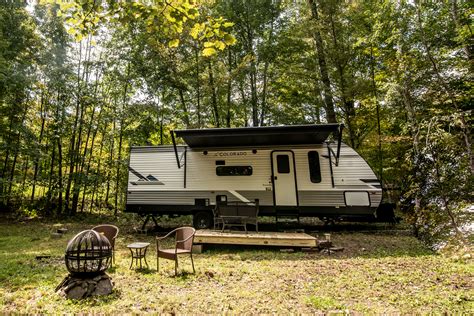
(293,170)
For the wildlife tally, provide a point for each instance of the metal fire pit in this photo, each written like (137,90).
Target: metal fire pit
(88,253)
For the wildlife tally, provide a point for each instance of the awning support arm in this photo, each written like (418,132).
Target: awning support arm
(331,151)
(175,149)
(339,141)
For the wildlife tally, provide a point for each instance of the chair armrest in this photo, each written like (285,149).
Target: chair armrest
(167,235)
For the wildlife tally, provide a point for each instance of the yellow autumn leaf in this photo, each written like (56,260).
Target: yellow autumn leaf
(194,32)
(72,31)
(219,45)
(206,52)
(173,43)
(229,39)
(65,5)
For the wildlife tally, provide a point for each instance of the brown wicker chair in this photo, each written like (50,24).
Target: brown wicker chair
(184,238)
(111,232)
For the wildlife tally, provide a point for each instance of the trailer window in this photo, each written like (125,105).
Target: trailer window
(234,171)
(314,167)
(283,164)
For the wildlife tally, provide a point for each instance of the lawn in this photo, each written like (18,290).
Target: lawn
(378,272)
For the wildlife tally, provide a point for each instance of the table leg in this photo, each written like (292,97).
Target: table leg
(131,263)
(144,257)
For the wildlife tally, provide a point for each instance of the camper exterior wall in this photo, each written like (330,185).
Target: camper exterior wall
(157,184)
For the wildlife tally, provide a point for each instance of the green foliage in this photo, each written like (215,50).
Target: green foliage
(168,18)
(442,182)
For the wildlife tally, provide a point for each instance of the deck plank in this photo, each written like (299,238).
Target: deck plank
(206,236)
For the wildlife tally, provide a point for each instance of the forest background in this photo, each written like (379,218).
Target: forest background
(81,82)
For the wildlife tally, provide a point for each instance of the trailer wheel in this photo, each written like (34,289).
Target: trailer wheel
(203,220)
(328,221)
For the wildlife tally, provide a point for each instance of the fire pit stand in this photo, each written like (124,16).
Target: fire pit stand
(88,256)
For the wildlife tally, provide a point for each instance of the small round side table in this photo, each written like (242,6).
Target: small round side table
(138,251)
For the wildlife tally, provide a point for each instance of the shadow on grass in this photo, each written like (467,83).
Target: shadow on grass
(144,271)
(98,300)
(359,240)
(353,245)
(184,275)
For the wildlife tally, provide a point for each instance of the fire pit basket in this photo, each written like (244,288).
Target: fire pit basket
(88,253)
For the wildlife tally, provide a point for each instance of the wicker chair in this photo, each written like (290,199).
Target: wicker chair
(184,238)
(111,232)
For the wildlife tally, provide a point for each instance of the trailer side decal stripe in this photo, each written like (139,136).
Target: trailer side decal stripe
(239,196)
(138,174)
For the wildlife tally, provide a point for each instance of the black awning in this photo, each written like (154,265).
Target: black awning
(258,136)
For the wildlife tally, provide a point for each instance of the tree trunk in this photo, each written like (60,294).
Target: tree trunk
(119,162)
(347,104)
(377,108)
(265,76)
(40,140)
(59,123)
(90,156)
(60,177)
(51,174)
(12,174)
(25,173)
(72,154)
(111,156)
(229,89)
(328,98)
(253,93)
(244,103)
(16,151)
(5,161)
(97,176)
(198,88)
(119,158)
(78,176)
(213,95)
(161,126)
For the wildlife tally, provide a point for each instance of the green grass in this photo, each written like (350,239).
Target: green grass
(376,273)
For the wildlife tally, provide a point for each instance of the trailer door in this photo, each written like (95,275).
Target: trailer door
(284,178)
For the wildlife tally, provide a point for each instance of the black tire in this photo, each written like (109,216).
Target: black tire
(203,220)
(329,222)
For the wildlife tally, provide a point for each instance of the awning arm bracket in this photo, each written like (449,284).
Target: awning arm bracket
(339,141)
(178,160)
(331,151)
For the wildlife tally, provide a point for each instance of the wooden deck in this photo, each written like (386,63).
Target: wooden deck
(206,236)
